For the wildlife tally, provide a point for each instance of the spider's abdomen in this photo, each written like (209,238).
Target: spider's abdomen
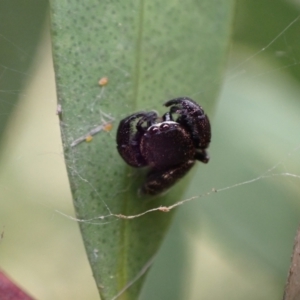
(167,144)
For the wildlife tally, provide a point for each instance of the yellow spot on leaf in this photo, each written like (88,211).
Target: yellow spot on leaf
(88,138)
(103,81)
(107,127)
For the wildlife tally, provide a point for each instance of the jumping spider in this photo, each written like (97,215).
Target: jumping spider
(168,147)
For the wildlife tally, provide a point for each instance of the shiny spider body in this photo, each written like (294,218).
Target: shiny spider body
(168,147)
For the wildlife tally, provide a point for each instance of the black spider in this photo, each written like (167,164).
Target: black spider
(168,147)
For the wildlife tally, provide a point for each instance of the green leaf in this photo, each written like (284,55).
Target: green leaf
(150,51)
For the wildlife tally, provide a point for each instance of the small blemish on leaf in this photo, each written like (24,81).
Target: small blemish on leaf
(103,81)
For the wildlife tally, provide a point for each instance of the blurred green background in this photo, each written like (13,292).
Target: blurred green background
(234,244)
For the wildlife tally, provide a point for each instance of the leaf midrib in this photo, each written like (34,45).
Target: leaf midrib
(124,239)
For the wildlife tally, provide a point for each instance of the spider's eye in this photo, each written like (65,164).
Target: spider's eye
(164,127)
(153,130)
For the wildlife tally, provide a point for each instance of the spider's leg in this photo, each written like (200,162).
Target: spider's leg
(167,117)
(158,181)
(149,117)
(128,141)
(125,129)
(192,116)
(185,102)
(187,121)
(202,156)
